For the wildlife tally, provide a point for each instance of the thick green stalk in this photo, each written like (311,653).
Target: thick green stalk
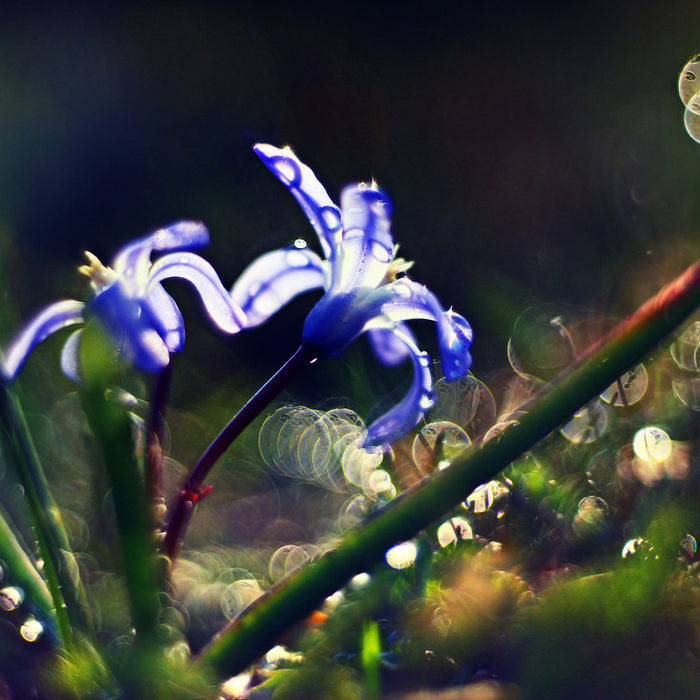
(113,430)
(256,630)
(59,564)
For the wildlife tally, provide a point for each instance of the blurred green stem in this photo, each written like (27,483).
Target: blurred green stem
(255,631)
(112,427)
(60,569)
(23,569)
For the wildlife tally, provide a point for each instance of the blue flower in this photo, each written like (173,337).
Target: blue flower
(362,290)
(131,304)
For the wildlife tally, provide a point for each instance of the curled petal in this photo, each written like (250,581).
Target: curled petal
(454,339)
(300,180)
(166,317)
(387,345)
(217,301)
(131,329)
(273,279)
(133,261)
(408,412)
(70,357)
(183,235)
(367,246)
(405,299)
(54,317)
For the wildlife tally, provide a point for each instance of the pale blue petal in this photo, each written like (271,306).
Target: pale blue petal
(367,247)
(166,317)
(406,414)
(300,180)
(454,339)
(133,261)
(227,316)
(405,299)
(273,279)
(70,357)
(132,330)
(54,317)
(387,345)
(182,235)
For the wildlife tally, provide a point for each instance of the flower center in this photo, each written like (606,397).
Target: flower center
(396,267)
(100,275)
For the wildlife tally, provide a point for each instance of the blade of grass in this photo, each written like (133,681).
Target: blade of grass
(59,567)
(23,569)
(293,599)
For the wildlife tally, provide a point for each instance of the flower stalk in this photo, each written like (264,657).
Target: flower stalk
(192,491)
(247,637)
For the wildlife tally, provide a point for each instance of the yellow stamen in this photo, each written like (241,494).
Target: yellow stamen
(100,275)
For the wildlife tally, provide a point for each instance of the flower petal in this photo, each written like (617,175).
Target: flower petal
(408,412)
(387,345)
(133,261)
(300,180)
(275,278)
(54,317)
(166,317)
(132,330)
(367,247)
(70,357)
(454,338)
(227,316)
(405,299)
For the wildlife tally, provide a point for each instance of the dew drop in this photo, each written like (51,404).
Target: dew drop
(31,629)
(401,556)
(481,498)
(11,598)
(652,444)
(628,389)
(437,444)
(453,530)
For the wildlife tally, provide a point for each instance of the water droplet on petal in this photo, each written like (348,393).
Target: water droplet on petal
(401,556)
(299,244)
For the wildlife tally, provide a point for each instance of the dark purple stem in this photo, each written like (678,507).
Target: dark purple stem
(191,491)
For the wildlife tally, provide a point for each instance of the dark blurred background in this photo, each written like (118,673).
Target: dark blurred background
(534,153)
